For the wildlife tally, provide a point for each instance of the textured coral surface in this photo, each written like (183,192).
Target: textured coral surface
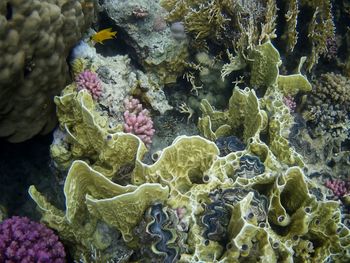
(206,131)
(22,240)
(35,38)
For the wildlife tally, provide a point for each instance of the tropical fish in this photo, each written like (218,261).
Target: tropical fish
(103,35)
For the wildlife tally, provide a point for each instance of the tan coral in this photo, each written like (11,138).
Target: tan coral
(35,38)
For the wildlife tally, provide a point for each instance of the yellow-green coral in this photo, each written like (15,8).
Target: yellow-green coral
(290,35)
(124,211)
(91,196)
(264,66)
(269,216)
(90,137)
(320,30)
(243,114)
(179,167)
(193,172)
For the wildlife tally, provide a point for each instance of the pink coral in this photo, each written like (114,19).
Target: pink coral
(90,81)
(23,240)
(338,187)
(138,121)
(290,102)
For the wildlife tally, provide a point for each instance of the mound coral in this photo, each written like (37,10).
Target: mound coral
(22,240)
(90,81)
(35,39)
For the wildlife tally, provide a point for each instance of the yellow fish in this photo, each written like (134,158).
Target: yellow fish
(103,35)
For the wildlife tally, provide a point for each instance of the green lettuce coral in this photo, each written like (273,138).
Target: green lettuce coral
(223,209)
(249,117)
(189,176)
(91,197)
(89,137)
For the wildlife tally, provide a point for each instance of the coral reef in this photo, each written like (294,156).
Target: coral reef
(259,184)
(119,80)
(22,240)
(273,214)
(35,39)
(88,136)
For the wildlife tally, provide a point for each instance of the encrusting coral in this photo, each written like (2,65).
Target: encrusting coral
(35,39)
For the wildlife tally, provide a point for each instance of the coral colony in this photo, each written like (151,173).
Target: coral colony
(22,240)
(89,81)
(290,102)
(137,120)
(191,131)
(339,187)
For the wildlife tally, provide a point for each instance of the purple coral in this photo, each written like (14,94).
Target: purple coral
(338,187)
(138,121)
(26,241)
(90,81)
(290,102)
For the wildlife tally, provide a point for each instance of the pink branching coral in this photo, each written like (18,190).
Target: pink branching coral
(22,240)
(90,81)
(338,187)
(290,103)
(138,121)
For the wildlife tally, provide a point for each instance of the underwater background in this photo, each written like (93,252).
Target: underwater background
(174,131)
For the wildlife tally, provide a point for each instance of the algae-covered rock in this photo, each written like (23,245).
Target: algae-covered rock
(149,37)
